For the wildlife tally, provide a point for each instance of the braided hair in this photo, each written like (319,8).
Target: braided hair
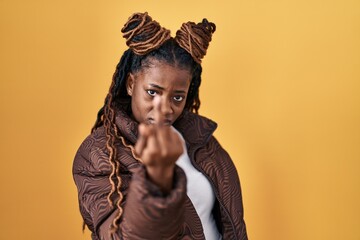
(148,41)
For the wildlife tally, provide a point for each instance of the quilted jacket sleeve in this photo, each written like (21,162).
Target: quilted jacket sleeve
(148,214)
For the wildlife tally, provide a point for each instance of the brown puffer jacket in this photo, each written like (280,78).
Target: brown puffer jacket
(147,213)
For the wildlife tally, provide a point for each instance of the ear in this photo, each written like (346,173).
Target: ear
(130,84)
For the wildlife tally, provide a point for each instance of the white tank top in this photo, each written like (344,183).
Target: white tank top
(201,194)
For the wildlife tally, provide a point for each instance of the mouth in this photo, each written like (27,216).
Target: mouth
(166,122)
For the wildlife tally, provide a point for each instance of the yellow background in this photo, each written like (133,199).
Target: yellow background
(281,78)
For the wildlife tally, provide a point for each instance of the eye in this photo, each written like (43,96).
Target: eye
(178,98)
(151,93)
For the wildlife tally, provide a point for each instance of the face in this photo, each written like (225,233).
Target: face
(159,80)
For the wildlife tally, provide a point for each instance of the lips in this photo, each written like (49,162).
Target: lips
(166,122)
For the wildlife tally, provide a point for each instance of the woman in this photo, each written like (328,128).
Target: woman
(151,168)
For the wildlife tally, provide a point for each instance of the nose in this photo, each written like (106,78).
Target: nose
(166,107)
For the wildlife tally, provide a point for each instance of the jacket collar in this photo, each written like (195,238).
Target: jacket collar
(195,129)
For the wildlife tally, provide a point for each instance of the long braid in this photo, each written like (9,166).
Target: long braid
(194,101)
(110,138)
(106,117)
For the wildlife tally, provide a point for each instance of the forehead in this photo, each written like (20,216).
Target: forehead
(164,74)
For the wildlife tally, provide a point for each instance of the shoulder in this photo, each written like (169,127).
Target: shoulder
(92,153)
(213,150)
(92,157)
(216,161)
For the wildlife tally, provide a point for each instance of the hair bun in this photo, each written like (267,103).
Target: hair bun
(195,38)
(143,34)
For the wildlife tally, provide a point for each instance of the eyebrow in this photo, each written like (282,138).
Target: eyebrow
(161,88)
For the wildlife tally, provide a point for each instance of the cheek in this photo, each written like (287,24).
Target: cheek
(178,109)
(141,106)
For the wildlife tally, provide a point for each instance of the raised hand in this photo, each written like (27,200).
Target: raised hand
(159,147)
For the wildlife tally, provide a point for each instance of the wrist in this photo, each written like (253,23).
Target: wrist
(161,176)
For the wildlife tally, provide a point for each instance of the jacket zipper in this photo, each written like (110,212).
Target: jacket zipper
(213,187)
